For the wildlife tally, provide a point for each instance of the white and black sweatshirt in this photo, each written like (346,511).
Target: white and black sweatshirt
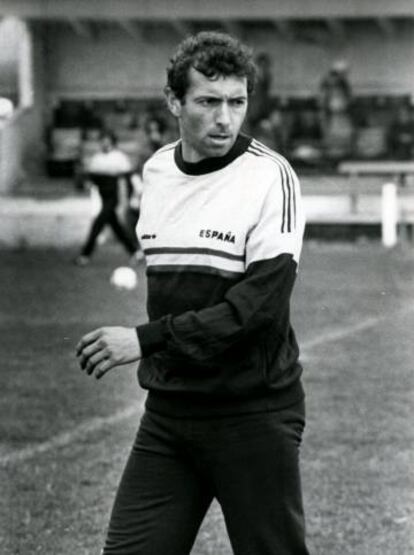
(222,239)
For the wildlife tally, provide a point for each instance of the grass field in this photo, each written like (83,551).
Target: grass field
(64,437)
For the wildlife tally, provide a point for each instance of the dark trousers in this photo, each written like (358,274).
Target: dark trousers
(107,216)
(131,220)
(249,463)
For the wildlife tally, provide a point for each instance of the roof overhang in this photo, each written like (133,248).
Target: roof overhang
(147,10)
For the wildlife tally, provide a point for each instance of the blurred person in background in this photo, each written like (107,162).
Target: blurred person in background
(259,106)
(401,134)
(280,129)
(335,97)
(335,89)
(306,137)
(155,129)
(135,186)
(105,170)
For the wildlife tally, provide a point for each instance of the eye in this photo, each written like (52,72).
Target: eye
(238,102)
(208,102)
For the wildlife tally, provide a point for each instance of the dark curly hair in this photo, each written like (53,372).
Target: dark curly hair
(214,55)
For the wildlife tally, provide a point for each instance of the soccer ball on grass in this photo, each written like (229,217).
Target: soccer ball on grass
(124,278)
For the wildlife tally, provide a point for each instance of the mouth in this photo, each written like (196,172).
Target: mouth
(219,138)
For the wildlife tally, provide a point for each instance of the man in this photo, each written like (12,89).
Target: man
(105,170)
(221,227)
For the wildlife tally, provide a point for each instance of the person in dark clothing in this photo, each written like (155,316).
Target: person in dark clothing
(221,225)
(105,170)
(155,129)
(259,105)
(401,134)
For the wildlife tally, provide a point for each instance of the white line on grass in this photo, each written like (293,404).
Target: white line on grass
(66,438)
(340,333)
(345,331)
(97,423)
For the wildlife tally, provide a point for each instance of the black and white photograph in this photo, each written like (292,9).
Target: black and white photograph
(206,277)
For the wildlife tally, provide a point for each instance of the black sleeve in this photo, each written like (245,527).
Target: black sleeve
(253,304)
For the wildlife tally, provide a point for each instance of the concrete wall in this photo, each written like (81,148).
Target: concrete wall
(35,148)
(16,140)
(113,63)
(27,222)
(22,148)
(9,48)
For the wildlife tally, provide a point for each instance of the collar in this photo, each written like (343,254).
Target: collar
(208,165)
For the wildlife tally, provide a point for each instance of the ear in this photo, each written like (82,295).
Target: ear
(173,103)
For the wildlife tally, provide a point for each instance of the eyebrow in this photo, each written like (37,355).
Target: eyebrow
(220,97)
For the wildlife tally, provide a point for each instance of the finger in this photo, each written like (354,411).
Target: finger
(103,369)
(94,361)
(87,339)
(89,352)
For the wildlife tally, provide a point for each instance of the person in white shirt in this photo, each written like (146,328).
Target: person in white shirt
(221,226)
(105,170)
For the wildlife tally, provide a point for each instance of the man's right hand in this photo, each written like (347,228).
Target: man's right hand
(105,348)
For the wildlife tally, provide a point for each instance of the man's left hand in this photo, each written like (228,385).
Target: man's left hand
(105,348)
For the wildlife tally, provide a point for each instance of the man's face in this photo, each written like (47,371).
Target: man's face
(210,115)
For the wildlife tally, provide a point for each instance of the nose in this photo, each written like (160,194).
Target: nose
(223,115)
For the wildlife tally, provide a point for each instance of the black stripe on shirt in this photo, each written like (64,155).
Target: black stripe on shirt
(194,250)
(282,177)
(195,268)
(287,185)
(291,180)
(288,188)
(258,152)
